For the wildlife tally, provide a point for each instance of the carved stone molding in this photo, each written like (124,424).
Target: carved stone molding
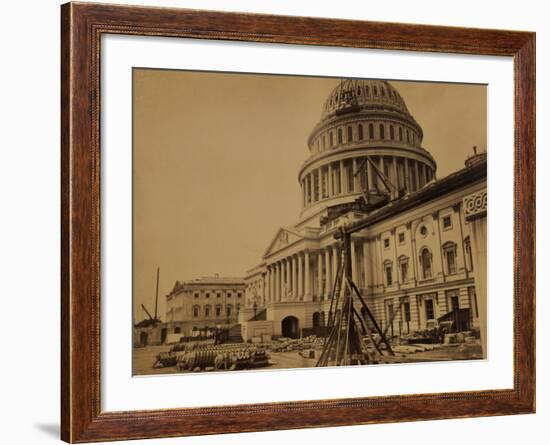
(475,205)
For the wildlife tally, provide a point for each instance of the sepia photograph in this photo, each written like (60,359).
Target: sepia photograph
(284,221)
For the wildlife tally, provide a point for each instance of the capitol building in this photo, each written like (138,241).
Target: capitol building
(414,263)
(419,255)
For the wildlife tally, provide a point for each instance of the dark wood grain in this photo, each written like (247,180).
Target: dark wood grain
(81,28)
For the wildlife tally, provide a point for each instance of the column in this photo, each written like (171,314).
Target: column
(475,212)
(329,181)
(343,178)
(407,176)
(320,275)
(395,177)
(303,184)
(320,182)
(267,285)
(279,280)
(307,278)
(370,176)
(366,264)
(423,173)
(335,261)
(294,278)
(439,253)
(415,176)
(288,281)
(356,178)
(328,280)
(353,263)
(274,283)
(300,277)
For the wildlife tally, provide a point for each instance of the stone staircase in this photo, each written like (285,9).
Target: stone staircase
(234,334)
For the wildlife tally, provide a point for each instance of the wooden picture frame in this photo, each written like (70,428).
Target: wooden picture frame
(82,26)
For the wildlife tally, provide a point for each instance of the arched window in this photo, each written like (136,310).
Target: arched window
(359,91)
(375,90)
(426,263)
(207,310)
(228,310)
(316,321)
(382,135)
(400,133)
(360,131)
(382,91)
(371,131)
(331,139)
(408,137)
(324,142)
(340,136)
(218,310)
(196,311)
(350,134)
(391,132)
(366,90)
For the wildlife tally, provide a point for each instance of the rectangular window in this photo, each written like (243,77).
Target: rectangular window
(382,135)
(218,295)
(228,294)
(407,310)
(389,277)
(196,295)
(207,295)
(402,238)
(447,222)
(371,131)
(386,243)
(404,271)
(451,261)
(455,305)
(391,132)
(429,304)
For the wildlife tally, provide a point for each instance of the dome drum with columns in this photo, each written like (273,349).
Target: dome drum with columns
(363,118)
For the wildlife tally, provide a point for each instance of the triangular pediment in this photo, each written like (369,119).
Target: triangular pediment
(282,239)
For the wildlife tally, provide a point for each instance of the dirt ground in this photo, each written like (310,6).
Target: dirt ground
(143,358)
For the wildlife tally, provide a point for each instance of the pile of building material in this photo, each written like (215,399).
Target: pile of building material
(213,357)
(284,344)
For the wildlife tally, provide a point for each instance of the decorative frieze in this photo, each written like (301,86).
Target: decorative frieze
(475,205)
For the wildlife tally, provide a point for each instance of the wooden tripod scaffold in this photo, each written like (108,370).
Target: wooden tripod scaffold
(347,326)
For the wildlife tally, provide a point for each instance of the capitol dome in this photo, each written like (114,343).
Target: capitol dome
(352,95)
(360,118)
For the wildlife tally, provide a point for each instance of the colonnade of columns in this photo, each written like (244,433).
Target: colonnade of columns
(339,178)
(306,276)
(289,278)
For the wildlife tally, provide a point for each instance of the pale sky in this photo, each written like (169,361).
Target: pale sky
(216,159)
